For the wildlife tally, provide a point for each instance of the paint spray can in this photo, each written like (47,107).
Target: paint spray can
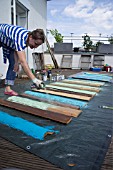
(50,77)
(44,77)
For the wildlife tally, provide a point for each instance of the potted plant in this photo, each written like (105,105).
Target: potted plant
(58,37)
(59,45)
(110,40)
(87,44)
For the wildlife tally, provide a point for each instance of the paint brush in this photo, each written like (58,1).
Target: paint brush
(106,107)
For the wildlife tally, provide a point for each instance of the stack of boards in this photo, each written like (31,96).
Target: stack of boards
(60,101)
(80,91)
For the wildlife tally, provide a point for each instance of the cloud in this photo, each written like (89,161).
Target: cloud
(82,16)
(99,15)
(80,9)
(53,12)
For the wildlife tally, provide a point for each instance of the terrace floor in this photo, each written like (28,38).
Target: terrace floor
(12,156)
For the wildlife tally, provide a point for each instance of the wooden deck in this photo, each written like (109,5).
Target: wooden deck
(108,161)
(11,156)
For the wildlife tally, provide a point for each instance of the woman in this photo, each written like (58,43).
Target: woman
(14,40)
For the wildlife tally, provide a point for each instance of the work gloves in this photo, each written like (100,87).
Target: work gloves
(39,84)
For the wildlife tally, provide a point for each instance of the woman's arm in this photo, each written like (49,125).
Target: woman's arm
(22,59)
(23,62)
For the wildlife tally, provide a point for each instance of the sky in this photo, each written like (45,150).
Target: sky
(94,17)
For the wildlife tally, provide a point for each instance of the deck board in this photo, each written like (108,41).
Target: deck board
(37,112)
(69,95)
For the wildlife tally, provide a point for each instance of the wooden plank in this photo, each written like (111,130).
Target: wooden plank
(37,112)
(46,100)
(44,106)
(92,77)
(66,111)
(74,96)
(25,126)
(74,86)
(82,82)
(70,90)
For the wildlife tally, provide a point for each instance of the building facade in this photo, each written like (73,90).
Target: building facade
(30,14)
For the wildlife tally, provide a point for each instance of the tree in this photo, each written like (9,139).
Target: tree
(110,40)
(58,37)
(87,42)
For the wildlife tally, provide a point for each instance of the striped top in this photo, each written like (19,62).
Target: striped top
(12,38)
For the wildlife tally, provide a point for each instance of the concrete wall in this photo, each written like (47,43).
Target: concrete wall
(76,62)
(5,17)
(37,18)
(109,60)
(58,57)
(5,11)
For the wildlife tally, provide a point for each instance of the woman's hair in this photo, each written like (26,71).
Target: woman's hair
(38,34)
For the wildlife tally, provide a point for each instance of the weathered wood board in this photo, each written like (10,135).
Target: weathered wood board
(71,90)
(46,100)
(45,106)
(84,82)
(74,96)
(37,112)
(94,77)
(74,86)
(25,126)
(65,111)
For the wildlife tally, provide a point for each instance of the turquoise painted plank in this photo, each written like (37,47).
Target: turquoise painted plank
(72,90)
(56,98)
(98,74)
(86,75)
(86,81)
(25,126)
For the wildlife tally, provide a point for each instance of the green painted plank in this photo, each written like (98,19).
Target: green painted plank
(72,90)
(45,106)
(77,86)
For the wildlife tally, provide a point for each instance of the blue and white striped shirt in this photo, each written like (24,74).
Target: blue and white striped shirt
(12,38)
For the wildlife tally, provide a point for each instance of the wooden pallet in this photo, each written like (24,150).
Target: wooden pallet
(39,60)
(66,61)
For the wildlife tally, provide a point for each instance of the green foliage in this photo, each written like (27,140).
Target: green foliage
(87,44)
(110,40)
(58,37)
